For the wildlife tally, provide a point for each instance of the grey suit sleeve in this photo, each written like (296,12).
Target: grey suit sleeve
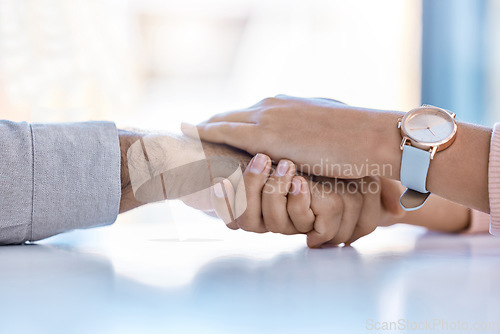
(57,177)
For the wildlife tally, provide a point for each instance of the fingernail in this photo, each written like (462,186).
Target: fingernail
(282,168)
(218,191)
(258,164)
(296,186)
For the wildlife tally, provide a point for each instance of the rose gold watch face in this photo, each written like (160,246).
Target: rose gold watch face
(429,126)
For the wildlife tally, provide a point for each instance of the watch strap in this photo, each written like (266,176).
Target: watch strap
(414,167)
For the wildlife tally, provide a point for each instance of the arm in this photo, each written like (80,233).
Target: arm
(458,174)
(352,142)
(438,214)
(59,177)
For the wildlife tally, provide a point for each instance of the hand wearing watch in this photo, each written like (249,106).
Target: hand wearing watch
(425,130)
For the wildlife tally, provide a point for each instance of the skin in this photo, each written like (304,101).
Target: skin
(327,218)
(291,204)
(352,136)
(276,204)
(127,201)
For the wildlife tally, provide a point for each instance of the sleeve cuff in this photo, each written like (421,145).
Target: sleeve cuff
(76,177)
(494,181)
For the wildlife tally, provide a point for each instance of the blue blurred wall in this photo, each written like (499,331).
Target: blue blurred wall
(454,57)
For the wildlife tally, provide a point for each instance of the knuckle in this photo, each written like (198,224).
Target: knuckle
(266,114)
(366,226)
(331,203)
(360,234)
(303,228)
(342,237)
(303,225)
(329,234)
(246,224)
(254,180)
(325,233)
(274,223)
(216,117)
(323,238)
(269,101)
(269,135)
(227,127)
(271,189)
(260,230)
(296,209)
(369,229)
(373,185)
(252,186)
(242,223)
(355,200)
(356,195)
(290,231)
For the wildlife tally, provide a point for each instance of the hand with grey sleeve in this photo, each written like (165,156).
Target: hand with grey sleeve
(60,177)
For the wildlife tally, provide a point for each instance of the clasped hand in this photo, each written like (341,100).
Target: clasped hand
(330,212)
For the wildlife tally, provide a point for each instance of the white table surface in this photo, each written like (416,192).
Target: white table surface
(168,269)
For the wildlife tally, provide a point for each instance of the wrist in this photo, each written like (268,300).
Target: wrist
(126,139)
(128,201)
(384,144)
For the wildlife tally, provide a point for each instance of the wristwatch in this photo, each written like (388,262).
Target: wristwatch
(426,130)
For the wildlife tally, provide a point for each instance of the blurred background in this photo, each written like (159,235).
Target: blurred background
(155,63)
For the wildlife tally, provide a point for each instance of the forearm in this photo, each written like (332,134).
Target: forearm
(438,214)
(128,200)
(458,173)
(171,150)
